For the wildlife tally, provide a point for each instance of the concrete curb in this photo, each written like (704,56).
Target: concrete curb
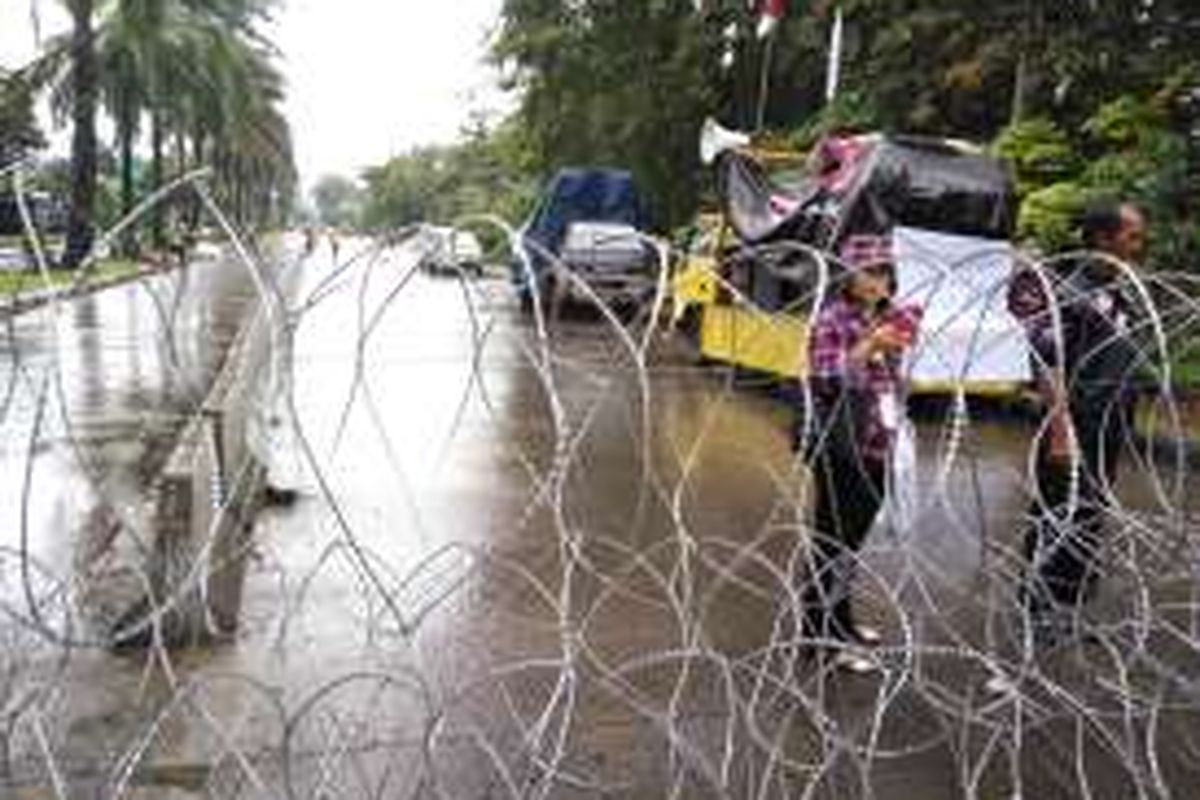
(204,509)
(204,504)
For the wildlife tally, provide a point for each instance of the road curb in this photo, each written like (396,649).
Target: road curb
(169,580)
(14,305)
(205,502)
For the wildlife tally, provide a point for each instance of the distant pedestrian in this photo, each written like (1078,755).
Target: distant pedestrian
(854,362)
(1077,317)
(180,247)
(333,245)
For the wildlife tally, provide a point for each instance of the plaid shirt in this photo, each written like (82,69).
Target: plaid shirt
(839,326)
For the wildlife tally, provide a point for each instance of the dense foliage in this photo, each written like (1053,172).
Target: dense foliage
(338,201)
(19,133)
(487,174)
(1082,97)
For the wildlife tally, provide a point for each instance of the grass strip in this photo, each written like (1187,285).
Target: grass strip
(19,282)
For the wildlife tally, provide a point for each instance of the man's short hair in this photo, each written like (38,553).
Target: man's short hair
(1102,217)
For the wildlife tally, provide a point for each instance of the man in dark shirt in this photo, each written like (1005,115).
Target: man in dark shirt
(1077,316)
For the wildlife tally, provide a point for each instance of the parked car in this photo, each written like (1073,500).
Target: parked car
(48,213)
(613,259)
(449,250)
(591,221)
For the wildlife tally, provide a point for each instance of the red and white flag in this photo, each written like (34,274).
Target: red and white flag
(770,12)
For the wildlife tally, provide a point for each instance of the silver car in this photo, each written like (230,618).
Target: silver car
(613,259)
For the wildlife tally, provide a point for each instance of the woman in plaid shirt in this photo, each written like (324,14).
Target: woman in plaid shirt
(854,360)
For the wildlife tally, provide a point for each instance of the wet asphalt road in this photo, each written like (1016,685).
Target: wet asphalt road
(97,388)
(563,578)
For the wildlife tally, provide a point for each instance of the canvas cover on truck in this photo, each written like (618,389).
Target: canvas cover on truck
(868,184)
(949,210)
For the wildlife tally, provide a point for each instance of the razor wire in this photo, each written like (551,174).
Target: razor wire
(581,575)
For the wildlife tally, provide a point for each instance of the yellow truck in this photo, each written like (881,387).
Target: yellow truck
(756,268)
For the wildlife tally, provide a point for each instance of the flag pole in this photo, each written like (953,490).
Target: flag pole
(770,14)
(833,74)
(764,87)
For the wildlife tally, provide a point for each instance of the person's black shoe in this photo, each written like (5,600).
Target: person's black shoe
(278,497)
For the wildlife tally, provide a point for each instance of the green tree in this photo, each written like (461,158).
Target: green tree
(199,78)
(338,200)
(19,132)
(487,173)
(199,70)
(1040,152)
(616,83)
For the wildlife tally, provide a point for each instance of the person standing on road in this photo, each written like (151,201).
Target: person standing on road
(854,360)
(1077,319)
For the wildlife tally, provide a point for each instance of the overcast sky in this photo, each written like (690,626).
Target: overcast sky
(17,40)
(372,78)
(367,79)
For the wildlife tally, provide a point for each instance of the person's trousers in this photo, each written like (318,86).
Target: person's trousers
(1067,514)
(848,495)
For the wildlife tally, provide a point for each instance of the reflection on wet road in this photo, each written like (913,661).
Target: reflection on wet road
(516,577)
(98,388)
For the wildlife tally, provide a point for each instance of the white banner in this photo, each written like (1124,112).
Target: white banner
(967,332)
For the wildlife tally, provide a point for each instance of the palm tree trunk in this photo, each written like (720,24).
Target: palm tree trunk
(239,194)
(84,80)
(180,153)
(156,176)
(194,207)
(125,131)
(179,211)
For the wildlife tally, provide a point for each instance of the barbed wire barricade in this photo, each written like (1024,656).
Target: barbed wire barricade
(547,556)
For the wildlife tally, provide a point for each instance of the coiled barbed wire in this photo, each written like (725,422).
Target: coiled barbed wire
(618,615)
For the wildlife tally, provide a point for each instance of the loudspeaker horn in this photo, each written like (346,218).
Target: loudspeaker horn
(715,139)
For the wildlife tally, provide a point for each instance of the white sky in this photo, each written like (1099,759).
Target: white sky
(18,43)
(367,79)
(372,78)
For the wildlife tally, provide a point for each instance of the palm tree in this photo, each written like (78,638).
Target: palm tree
(19,132)
(195,73)
(213,82)
(124,70)
(149,55)
(84,84)
(257,138)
